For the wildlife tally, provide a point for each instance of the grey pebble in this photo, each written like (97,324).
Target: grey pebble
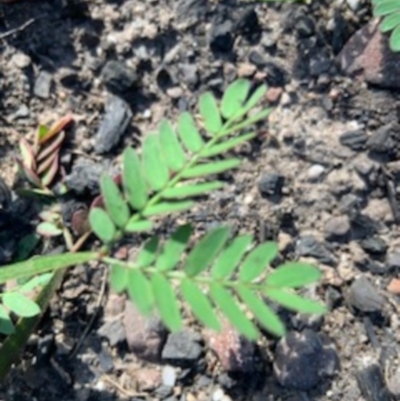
(337,228)
(374,245)
(42,86)
(355,140)
(116,120)
(364,296)
(181,347)
(168,376)
(118,77)
(271,184)
(371,383)
(307,245)
(113,330)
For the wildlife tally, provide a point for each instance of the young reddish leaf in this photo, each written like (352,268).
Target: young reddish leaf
(80,222)
(27,154)
(50,174)
(45,164)
(51,148)
(44,136)
(98,201)
(29,174)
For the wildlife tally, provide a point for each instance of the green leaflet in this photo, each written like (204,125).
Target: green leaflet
(263,313)
(134,183)
(209,111)
(210,168)
(206,250)
(172,149)
(200,304)
(257,261)
(191,190)
(255,97)
(188,132)
(35,282)
(134,225)
(386,7)
(167,207)
(47,229)
(20,304)
(263,114)
(293,301)
(140,291)
(154,166)
(390,22)
(174,248)
(102,225)
(114,202)
(230,257)
(228,306)
(395,39)
(227,145)
(166,302)
(293,275)
(118,277)
(147,255)
(234,98)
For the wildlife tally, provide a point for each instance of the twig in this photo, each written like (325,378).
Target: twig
(93,317)
(18,29)
(123,390)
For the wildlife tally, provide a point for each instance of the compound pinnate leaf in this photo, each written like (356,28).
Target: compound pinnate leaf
(386,7)
(115,204)
(166,302)
(209,111)
(167,207)
(135,226)
(234,97)
(6,324)
(102,225)
(172,149)
(227,145)
(263,313)
(230,257)
(188,132)
(174,248)
(134,184)
(257,261)
(118,277)
(148,254)
(294,302)
(186,191)
(293,275)
(390,22)
(211,168)
(154,166)
(228,306)
(206,250)
(20,304)
(140,291)
(395,39)
(200,304)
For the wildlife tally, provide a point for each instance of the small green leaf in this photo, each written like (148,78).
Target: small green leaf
(293,275)
(228,306)
(154,166)
(294,302)
(35,282)
(188,132)
(211,168)
(135,186)
(209,110)
(247,122)
(390,22)
(234,97)
(6,324)
(200,304)
(395,39)
(102,225)
(135,226)
(263,313)
(147,255)
(114,202)
(257,261)
(230,257)
(118,277)
(166,302)
(227,145)
(386,7)
(186,191)
(140,291)
(255,97)
(20,304)
(174,248)
(172,149)
(206,250)
(48,229)
(167,207)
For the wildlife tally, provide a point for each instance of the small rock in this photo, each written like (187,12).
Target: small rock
(307,245)
(246,70)
(371,383)
(148,379)
(305,25)
(319,64)
(221,36)
(393,384)
(145,336)
(163,392)
(21,60)
(355,140)
(273,94)
(217,394)
(189,74)
(114,331)
(42,85)
(302,360)
(106,361)
(235,353)
(354,4)
(379,210)
(115,122)
(175,92)
(374,245)
(381,140)
(364,296)
(394,286)
(22,112)
(271,184)
(182,348)
(393,260)
(118,77)
(337,228)
(168,376)
(315,172)
(257,58)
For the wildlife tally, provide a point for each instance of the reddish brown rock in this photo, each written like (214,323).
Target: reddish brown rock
(367,55)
